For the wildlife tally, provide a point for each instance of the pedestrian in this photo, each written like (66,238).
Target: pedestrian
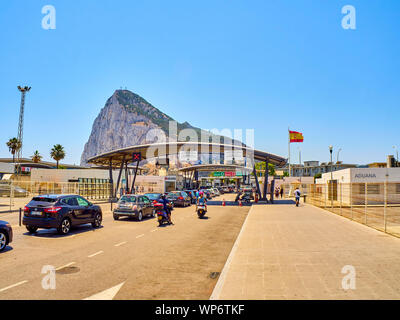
(276,192)
(281,192)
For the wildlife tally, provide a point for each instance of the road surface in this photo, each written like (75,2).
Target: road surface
(124,259)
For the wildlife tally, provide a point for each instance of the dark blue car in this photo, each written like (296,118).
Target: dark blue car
(60,212)
(6,234)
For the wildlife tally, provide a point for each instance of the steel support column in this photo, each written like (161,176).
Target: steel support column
(119,177)
(111,183)
(126,177)
(266,180)
(134,178)
(256,178)
(271,198)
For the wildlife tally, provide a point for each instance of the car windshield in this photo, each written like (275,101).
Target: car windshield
(152,196)
(128,198)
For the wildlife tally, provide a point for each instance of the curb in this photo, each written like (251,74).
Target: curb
(221,280)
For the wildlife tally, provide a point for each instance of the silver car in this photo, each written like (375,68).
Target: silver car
(134,206)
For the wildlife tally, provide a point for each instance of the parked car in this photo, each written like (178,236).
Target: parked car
(134,206)
(156,197)
(179,198)
(207,193)
(216,191)
(212,192)
(61,212)
(6,234)
(18,192)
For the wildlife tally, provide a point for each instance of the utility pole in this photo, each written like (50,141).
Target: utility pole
(23,91)
(397,155)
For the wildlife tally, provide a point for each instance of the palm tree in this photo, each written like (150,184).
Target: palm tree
(57,153)
(14,145)
(36,157)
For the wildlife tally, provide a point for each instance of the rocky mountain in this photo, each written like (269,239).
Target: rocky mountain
(125,121)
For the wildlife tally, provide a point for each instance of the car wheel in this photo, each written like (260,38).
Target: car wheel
(3,241)
(65,226)
(140,216)
(115,217)
(31,229)
(97,221)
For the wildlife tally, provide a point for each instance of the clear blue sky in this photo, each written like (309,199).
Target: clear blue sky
(266,65)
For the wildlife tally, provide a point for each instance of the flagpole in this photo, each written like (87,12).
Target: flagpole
(289,149)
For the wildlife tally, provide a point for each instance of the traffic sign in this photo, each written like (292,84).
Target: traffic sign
(137,156)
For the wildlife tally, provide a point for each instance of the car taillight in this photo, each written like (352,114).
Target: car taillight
(26,209)
(52,209)
(154,201)
(180,198)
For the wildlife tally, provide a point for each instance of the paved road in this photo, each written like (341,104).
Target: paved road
(147,261)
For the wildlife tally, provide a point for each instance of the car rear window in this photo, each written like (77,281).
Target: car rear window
(173,194)
(128,198)
(42,201)
(152,196)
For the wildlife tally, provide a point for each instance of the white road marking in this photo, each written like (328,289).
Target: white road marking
(13,285)
(108,294)
(140,235)
(67,265)
(95,254)
(153,230)
(119,244)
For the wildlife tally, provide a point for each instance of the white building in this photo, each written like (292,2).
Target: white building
(361,186)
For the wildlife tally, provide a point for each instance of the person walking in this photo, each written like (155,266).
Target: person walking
(281,192)
(276,192)
(297,195)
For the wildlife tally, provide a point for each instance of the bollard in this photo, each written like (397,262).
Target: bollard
(240,203)
(223,202)
(20,212)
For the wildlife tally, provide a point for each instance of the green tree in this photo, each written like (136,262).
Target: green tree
(57,153)
(286,174)
(317,176)
(36,157)
(14,145)
(271,168)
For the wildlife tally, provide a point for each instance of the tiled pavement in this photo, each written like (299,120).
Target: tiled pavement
(284,252)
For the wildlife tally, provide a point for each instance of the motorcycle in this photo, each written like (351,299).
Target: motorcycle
(243,197)
(201,211)
(162,216)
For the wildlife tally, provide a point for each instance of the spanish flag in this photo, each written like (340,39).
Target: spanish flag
(295,136)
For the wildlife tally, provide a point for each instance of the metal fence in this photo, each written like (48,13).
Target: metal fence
(23,189)
(374,204)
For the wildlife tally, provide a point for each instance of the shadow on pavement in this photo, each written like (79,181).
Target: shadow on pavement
(52,233)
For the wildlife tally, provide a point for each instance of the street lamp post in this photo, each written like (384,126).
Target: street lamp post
(331,150)
(331,182)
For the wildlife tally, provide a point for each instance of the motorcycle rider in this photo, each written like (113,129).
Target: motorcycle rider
(201,201)
(165,202)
